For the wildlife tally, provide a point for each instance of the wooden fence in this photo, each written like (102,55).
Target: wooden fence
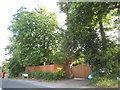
(81,70)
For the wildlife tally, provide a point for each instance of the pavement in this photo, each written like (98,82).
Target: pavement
(23,83)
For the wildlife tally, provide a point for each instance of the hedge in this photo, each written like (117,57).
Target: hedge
(46,75)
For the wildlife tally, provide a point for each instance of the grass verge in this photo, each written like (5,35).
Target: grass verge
(104,83)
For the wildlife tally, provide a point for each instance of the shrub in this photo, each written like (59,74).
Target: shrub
(46,75)
(103,82)
(107,83)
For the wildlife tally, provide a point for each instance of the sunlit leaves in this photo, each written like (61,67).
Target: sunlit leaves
(35,35)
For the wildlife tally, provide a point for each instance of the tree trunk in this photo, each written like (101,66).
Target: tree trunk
(102,33)
(44,63)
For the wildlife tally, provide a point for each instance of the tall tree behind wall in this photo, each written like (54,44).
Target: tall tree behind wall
(87,24)
(34,36)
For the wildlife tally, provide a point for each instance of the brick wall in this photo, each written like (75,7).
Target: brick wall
(81,70)
(51,68)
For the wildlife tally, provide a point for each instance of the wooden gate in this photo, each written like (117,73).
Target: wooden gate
(82,70)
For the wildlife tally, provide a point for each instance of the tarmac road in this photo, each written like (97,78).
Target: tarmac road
(21,84)
(16,83)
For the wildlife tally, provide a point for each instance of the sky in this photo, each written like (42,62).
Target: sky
(9,7)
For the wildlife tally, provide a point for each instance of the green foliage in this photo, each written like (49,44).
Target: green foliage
(38,39)
(14,67)
(110,59)
(60,58)
(104,82)
(46,75)
(87,24)
(4,67)
(107,83)
(80,60)
(34,36)
(34,39)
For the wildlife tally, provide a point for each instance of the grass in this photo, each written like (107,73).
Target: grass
(105,83)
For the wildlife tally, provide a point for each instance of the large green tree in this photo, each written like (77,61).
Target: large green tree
(87,25)
(34,36)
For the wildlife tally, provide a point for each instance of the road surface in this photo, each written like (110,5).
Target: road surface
(22,83)
(13,83)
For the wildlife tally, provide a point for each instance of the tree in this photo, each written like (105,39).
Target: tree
(14,67)
(34,36)
(87,24)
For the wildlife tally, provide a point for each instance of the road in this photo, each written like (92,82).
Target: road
(22,84)
(13,83)
(34,84)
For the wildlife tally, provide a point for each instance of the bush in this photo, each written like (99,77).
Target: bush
(46,75)
(104,82)
(107,83)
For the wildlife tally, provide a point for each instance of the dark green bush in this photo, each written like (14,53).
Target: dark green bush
(46,75)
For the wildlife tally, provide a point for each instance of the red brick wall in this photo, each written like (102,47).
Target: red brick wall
(51,68)
(81,70)
(29,68)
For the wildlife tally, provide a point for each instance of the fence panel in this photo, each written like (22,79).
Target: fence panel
(67,70)
(82,70)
